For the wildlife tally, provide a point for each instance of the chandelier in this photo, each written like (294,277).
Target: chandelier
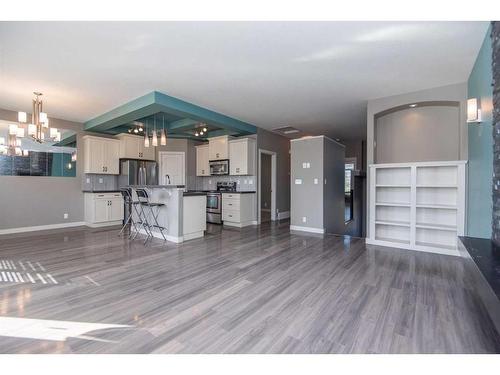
(38,129)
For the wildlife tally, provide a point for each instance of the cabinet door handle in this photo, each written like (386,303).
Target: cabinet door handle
(229,204)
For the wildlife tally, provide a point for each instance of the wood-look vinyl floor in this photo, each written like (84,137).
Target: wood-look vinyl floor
(252,290)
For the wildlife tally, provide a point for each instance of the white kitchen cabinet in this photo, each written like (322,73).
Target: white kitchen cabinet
(242,157)
(202,165)
(239,209)
(102,209)
(132,147)
(101,155)
(218,148)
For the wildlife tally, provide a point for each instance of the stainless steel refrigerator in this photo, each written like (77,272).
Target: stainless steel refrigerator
(137,172)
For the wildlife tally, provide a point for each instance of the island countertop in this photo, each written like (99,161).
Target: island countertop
(157,186)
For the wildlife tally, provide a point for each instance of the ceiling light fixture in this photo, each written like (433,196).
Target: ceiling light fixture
(163,135)
(39,121)
(154,141)
(412,105)
(146,136)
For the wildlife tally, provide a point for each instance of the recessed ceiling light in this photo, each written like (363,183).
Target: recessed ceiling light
(413,105)
(291,131)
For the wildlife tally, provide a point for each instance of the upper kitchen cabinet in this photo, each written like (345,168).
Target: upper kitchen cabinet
(242,157)
(202,166)
(101,155)
(132,147)
(218,148)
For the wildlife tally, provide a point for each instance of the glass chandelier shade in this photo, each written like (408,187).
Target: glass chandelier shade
(163,135)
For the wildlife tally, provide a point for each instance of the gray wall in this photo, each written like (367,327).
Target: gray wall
(265,181)
(307,198)
(32,201)
(281,145)
(456,92)
(333,191)
(425,133)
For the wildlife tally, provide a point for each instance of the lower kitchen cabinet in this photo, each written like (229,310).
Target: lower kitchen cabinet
(103,209)
(239,210)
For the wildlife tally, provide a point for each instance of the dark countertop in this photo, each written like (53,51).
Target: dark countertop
(194,193)
(101,191)
(158,186)
(487,258)
(238,192)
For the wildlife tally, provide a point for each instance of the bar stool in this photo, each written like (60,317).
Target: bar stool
(149,213)
(129,201)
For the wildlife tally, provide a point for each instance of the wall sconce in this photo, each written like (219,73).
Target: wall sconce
(473,110)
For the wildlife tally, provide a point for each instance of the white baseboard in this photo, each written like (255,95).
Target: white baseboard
(307,229)
(105,224)
(192,236)
(174,239)
(283,215)
(425,249)
(42,227)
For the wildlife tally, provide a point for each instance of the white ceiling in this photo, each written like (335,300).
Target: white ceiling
(315,76)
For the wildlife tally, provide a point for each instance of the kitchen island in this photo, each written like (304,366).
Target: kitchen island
(183,214)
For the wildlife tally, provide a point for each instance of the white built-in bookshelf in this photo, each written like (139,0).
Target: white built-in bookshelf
(417,206)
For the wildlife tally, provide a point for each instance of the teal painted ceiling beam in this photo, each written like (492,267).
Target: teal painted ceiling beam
(183,124)
(184,109)
(66,141)
(156,102)
(131,111)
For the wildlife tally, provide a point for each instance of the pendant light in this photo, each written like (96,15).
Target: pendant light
(155,136)
(146,135)
(163,136)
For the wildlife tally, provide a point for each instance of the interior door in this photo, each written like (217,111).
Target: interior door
(172,164)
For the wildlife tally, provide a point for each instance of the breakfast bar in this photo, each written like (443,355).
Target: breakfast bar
(182,214)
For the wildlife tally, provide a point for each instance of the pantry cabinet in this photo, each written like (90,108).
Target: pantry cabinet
(132,147)
(101,155)
(242,157)
(202,165)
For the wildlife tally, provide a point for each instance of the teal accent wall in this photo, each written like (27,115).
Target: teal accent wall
(480,167)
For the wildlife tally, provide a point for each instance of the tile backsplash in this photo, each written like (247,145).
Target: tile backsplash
(244,183)
(99,182)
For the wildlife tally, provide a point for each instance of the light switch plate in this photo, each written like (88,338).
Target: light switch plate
(308,165)
(304,219)
(101,180)
(250,182)
(87,180)
(66,216)
(304,165)
(298,181)
(315,181)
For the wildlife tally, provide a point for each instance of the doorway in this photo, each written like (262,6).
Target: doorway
(267,186)
(173,165)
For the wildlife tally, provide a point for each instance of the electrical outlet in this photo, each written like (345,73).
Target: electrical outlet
(250,182)
(315,181)
(101,180)
(87,180)
(66,216)
(210,182)
(304,219)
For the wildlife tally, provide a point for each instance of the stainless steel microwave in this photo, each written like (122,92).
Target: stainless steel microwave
(219,167)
